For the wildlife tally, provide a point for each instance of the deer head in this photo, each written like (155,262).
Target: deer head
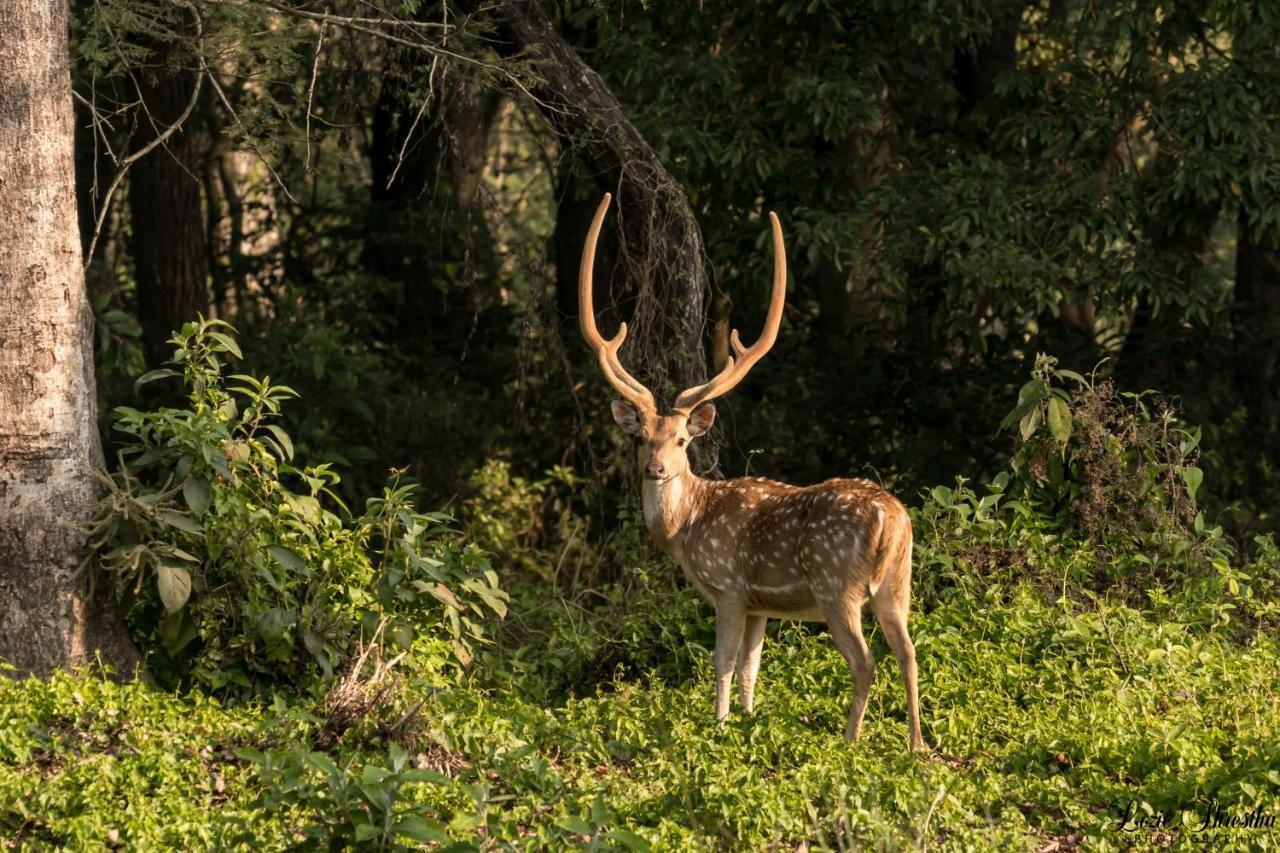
(665,438)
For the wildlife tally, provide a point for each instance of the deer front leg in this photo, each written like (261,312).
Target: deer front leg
(731,619)
(749,659)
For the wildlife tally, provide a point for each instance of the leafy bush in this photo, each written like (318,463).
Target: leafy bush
(1099,500)
(1051,702)
(1121,465)
(240,569)
(536,523)
(345,807)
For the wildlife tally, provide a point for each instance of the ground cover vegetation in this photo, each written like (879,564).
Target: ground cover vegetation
(371,528)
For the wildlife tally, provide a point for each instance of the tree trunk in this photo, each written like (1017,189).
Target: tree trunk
(660,258)
(165,209)
(425,215)
(1256,328)
(48,434)
(854,168)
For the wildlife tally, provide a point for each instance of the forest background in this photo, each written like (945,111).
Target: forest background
(1034,290)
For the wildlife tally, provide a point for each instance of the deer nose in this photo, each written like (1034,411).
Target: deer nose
(654,470)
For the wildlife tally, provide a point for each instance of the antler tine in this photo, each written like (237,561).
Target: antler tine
(607,350)
(740,363)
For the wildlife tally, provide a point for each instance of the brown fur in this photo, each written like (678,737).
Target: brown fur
(756,548)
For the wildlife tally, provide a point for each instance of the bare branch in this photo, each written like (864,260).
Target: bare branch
(226,102)
(311,90)
(369,26)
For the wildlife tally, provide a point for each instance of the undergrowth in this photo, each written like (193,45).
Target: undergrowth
(1098,668)
(1046,719)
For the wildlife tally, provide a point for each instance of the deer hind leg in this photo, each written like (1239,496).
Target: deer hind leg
(731,618)
(749,660)
(892,604)
(844,621)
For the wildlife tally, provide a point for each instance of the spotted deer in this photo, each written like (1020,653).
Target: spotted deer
(757,548)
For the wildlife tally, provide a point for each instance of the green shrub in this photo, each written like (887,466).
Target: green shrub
(239,569)
(345,807)
(1119,468)
(537,524)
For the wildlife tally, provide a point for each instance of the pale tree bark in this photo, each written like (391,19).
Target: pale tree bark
(48,434)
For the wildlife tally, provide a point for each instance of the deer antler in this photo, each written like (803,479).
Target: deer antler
(743,359)
(626,384)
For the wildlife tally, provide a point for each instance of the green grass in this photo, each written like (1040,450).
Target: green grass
(1043,716)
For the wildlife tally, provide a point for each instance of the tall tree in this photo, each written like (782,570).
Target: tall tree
(48,432)
(165,208)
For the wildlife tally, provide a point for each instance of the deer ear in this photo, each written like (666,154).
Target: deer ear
(702,419)
(627,417)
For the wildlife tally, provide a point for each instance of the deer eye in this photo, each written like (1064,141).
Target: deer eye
(681,442)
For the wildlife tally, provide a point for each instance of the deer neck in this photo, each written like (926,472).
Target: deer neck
(670,506)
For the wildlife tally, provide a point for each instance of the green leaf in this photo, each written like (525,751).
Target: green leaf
(174,583)
(288,560)
(315,645)
(599,812)
(197,493)
(307,507)
(323,763)
(228,343)
(1034,391)
(628,839)
(265,573)
(1193,477)
(494,600)
(420,830)
(1030,423)
(378,795)
(576,825)
(177,630)
(372,774)
(272,623)
(1020,412)
(283,437)
(180,521)
(249,754)
(1059,420)
(153,375)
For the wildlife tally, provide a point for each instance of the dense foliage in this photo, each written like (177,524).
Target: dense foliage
(1092,672)
(962,185)
(1058,715)
(240,570)
(1034,290)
